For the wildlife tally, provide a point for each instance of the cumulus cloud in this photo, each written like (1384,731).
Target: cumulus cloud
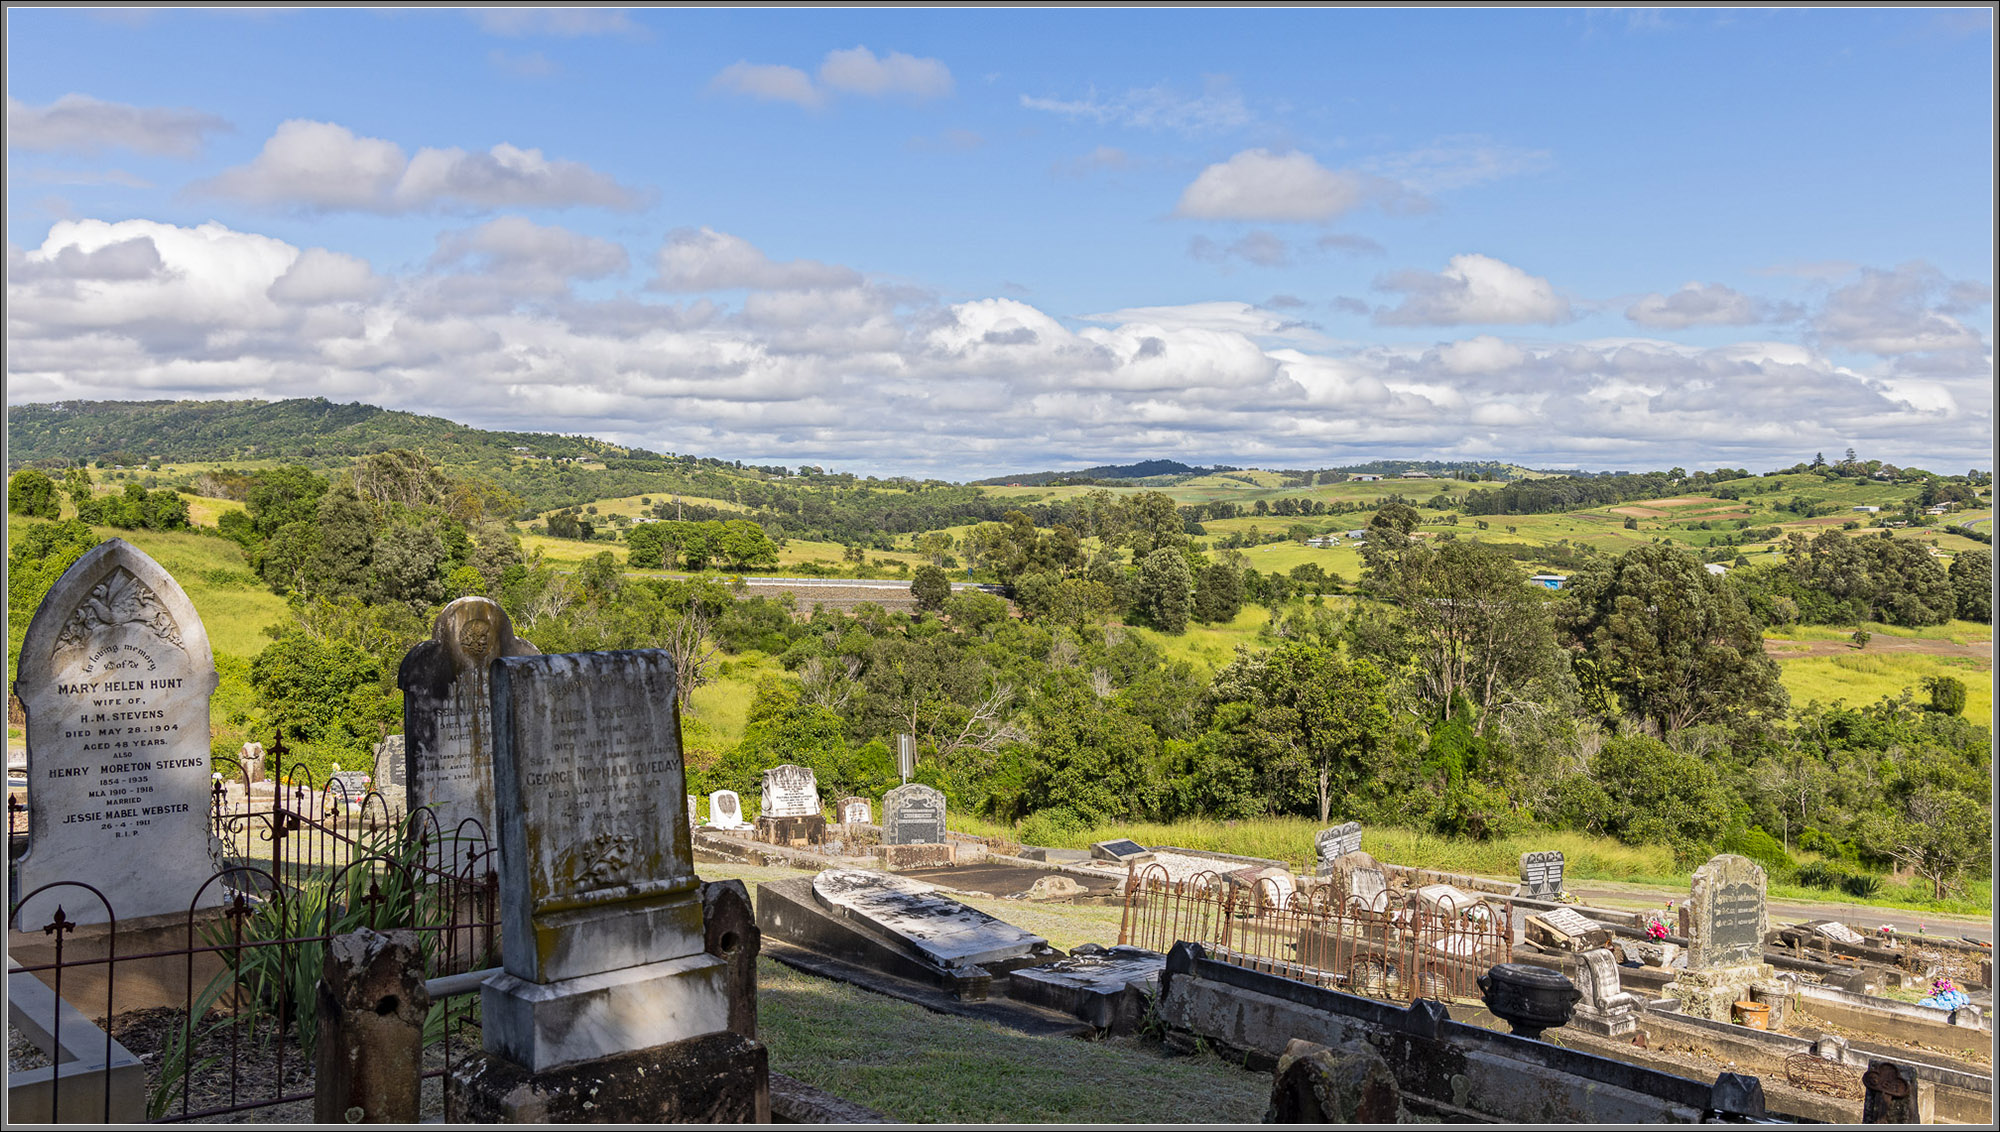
(1905,311)
(702,259)
(1161,108)
(1706,304)
(1258,184)
(327,167)
(79,123)
(816,365)
(854,70)
(1471,289)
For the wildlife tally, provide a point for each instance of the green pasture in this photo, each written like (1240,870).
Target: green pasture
(1957,632)
(1209,647)
(1864,678)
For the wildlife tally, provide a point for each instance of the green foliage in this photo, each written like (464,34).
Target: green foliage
(930,588)
(1164,597)
(1760,847)
(1972,585)
(32,493)
(1642,792)
(1947,694)
(136,508)
(325,696)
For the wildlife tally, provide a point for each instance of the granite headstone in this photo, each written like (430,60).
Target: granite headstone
(115,675)
(600,904)
(1727,898)
(913,814)
(1336,842)
(448,712)
(1542,875)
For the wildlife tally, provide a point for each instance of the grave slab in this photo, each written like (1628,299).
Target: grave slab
(944,931)
(115,674)
(1107,988)
(1565,929)
(1121,853)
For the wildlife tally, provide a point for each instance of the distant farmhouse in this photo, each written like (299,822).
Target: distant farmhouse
(1370,478)
(1549,581)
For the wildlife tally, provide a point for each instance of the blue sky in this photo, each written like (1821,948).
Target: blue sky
(963,243)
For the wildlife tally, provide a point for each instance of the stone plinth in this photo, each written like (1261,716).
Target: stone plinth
(719,1078)
(809,829)
(115,676)
(540,1026)
(1708,992)
(918,856)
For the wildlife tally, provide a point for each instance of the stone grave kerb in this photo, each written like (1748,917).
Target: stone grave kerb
(117,650)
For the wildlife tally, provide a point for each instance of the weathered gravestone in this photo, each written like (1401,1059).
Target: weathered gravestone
(725,811)
(115,676)
(610,1007)
(1542,875)
(1335,843)
(448,713)
(1725,939)
(693,811)
(790,814)
(1565,929)
(251,756)
(1605,1008)
(854,811)
(392,772)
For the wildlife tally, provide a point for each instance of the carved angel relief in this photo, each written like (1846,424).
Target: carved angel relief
(601,862)
(119,599)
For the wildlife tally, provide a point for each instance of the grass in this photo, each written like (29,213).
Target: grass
(1862,679)
(1957,632)
(1209,647)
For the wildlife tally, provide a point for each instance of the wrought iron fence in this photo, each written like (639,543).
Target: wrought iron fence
(1397,948)
(296,866)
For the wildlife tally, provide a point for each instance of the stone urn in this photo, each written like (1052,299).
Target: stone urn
(1530,999)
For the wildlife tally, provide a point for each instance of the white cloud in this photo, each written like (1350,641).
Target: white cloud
(1904,311)
(853,70)
(1472,289)
(1457,163)
(1257,184)
(768,82)
(327,167)
(856,70)
(84,124)
(702,259)
(1705,304)
(1219,108)
(817,365)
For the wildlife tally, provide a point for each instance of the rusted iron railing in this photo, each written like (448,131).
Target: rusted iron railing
(1397,947)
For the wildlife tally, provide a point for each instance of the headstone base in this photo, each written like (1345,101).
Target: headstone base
(807,830)
(1605,1023)
(719,1078)
(1709,992)
(918,856)
(540,1026)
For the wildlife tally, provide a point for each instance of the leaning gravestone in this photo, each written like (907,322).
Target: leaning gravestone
(607,987)
(448,713)
(790,813)
(1337,842)
(913,814)
(1542,875)
(1726,937)
(115,676)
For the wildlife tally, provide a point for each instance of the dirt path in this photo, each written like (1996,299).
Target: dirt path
(1799,650)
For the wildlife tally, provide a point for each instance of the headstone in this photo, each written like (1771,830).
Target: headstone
(600,905)
(790,792)
(448,713)
(1120,852)
(1835,930)
(791,813)
(1565,929)
(1269,887)
(391,771)
(252,758)
(693,811)
(854,811)
(725,811)
(1337,842)
(1606,1008)
(1726,926)
(913,814)
(1542,875)
(115,676)
(1369,889)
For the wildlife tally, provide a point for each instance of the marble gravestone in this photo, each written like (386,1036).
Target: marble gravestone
(610,1009)
(1727,922)
(913,814)
(115,674)
(854,811)
(600,905)
(1606,1008)
(1542,875)
(1336,843)
(448,713)
(790,811)
(725,811)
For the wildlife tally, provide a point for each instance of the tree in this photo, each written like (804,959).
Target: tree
(1652,793)
(1947,694)
(930,587)
(1673,641)
(409,566)
(1165,593)
(1972,585)
(645,546)
(1307,719)
(1937,834)
(283,495)
(1218,593)
(32,493)
(344,552)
